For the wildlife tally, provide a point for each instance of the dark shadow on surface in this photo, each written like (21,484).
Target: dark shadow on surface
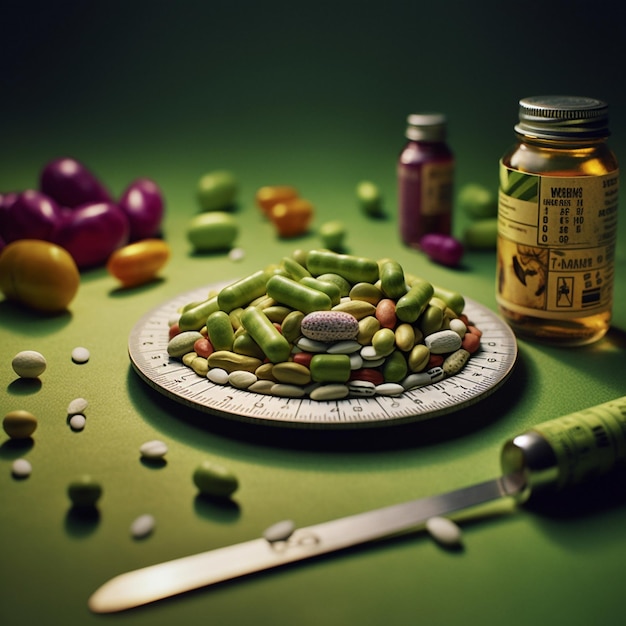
(221,510)
(81,521)
(36,323)
(125,292)
(12,449)
(24,386)
(163,413)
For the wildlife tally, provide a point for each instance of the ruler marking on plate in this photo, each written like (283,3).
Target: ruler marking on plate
(485,372)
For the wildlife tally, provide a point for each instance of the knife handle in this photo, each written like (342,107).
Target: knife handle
(570,449)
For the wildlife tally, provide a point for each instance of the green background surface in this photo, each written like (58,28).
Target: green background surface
(313,96)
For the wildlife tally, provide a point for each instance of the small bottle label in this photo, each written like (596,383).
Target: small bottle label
(587,443)
(556,243)
(437,185)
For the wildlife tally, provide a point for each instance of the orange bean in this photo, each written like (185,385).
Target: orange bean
(471,342)
(267,197)
(291,218)
(139,262)
(386,313)
(203,347)
(436,360)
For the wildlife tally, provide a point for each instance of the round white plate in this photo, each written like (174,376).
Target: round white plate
(486,370)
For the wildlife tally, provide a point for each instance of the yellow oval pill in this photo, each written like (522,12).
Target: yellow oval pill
(139,262)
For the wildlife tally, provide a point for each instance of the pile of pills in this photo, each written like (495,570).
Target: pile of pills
(327,326)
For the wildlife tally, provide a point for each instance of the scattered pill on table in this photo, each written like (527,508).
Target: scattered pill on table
(84,491)
(142,526)
(29,364)
(236,254)
(444,531)
(153,449)
(21,468)
(19,424)
(281,531)
(213,479)
(77,405)
(77,421)
(80,355)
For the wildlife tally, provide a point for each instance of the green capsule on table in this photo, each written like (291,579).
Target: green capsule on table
(84,492)
(477,201)
(195,317)
(482,234)
(332,234)
(217,190)
(212,232)
(369,199)
(213,479)
(242,292)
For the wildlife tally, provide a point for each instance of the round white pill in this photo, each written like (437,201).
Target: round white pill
(444,531)
(153,449)
(80,355)
(78,421)
(21,468)
(78,405)
(236,254)
(142,526)
(29,364)
(281,531)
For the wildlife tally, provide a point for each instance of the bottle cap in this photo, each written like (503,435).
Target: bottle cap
(426,127)
(530,455)
(554,117)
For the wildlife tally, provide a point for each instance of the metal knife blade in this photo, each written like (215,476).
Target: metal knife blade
(170,578)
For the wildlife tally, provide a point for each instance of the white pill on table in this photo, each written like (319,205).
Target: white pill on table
(29,364)
(142,526)
(281,531)
(154,449)
(78,405)
(80,355)
(444,531)
(78,421)
(21,468)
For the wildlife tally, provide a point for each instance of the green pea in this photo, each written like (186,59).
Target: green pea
(220,330)
(369,199)
(296,295)
(384,341)
(217,190)
(211,232)
(243,291)
(340,281)
(477,201)
(213,479)
(395,367)
(195,317)
(431,320)
(353,268)
(392,281)
(275,347)
(84,492)
(482,234)
(411,305)
(332,234)
(330,289)
(330,368)
(290,327)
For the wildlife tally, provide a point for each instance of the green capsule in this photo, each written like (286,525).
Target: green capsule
(330,368)
(275,347)
(353,268)
(296,295)
(195,317)
(243,291)
(392,281)
(411,305)
(220,330)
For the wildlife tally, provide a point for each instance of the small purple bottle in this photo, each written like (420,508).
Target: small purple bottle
(425,179)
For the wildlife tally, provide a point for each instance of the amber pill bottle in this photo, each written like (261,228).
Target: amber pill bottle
(557,222)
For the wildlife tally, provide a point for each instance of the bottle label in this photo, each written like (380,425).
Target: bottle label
(587,443)
(556,243)
(437,184)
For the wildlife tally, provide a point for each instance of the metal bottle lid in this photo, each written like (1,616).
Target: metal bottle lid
(530,455)
(426,127)
(554,117)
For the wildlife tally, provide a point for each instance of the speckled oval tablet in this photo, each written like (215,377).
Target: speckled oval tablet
(329,326)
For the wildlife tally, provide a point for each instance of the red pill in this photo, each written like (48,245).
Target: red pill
(174,330)
(203,347)
(436,360)
(303,358)
(368,374)
(471,342)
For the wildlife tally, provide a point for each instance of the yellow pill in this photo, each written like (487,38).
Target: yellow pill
(19,424)
(139,262)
